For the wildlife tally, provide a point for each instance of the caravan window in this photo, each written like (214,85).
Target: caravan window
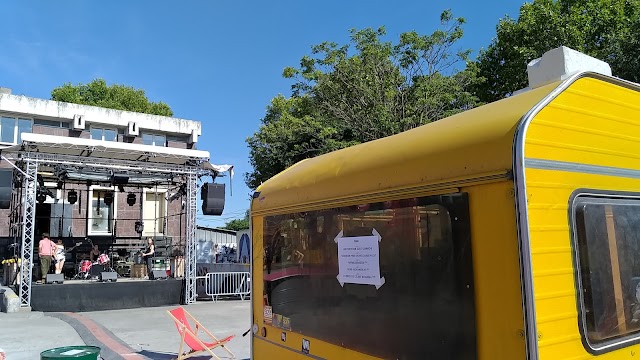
(607,235)
(391,279)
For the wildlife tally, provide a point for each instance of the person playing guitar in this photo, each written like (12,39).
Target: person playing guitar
(60,255)
(147,255)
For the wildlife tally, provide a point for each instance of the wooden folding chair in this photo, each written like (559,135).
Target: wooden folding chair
(187,336)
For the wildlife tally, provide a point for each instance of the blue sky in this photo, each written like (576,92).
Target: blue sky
(219,62)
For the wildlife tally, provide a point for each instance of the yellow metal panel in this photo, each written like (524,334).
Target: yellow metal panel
(592,122)
(555,294)
(495,250)
(274,349)
(257,258)
(552,259)
(469,144)
(499,319)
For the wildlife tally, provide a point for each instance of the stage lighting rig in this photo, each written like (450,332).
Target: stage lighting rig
(131,199)
(108,198)
(72,197)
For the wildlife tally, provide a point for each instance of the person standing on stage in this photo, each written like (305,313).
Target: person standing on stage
(147,255)
(46,251)
(61,256)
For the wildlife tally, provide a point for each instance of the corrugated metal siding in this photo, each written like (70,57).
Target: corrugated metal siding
(215,236)
(593,123)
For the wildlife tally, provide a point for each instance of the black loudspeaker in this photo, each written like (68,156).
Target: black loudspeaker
(6,177)
(212,196)
(55,279)
(108,276)
(117,179)
(159,274)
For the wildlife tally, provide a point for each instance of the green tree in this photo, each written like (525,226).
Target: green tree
(119,97)
(238,224)
(605,29)
(361,91)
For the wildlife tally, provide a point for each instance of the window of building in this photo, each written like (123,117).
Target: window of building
(178,138)
(154,139)
(328,276)
(11,129)
(104,134)
(52,123)
(154,213)
(607,236)
(102,212)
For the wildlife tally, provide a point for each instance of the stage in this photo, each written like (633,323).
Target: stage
(91,295)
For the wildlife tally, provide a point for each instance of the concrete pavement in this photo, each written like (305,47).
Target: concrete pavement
(144,333)
(152,333)
(24,335)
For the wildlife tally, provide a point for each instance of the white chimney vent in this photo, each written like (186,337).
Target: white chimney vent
(133,129)
(78,122)
(194,137)
(560,63)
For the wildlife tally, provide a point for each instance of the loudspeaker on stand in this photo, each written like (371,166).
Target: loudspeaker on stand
(111,276)
(55,279)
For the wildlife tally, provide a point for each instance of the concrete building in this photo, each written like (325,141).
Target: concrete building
(105,177)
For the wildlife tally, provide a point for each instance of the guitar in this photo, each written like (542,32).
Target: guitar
(64,250)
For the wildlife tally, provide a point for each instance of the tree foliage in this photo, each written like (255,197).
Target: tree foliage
(364,90)
(608,30)
(119,97)
(238,224)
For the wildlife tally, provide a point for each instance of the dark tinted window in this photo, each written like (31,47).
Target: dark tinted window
(390,279)
(51,123)
(608,248)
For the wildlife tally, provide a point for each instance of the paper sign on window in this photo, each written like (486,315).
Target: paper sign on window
(359,259)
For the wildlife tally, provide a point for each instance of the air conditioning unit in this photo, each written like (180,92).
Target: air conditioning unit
(78,122)
(560,63)
(133,129)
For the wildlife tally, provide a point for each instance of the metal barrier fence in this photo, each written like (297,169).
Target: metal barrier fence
(228,284)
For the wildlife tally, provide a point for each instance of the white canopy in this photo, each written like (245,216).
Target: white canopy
(106,149)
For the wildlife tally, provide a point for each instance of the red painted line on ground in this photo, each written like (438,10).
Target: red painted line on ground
(105,338)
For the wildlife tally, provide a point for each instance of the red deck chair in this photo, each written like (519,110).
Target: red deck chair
(189,337)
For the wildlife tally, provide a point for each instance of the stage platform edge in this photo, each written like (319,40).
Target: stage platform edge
(95,296)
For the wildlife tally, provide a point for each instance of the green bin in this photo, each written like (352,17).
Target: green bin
(72,352)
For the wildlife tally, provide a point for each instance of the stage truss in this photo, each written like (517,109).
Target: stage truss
(27,164)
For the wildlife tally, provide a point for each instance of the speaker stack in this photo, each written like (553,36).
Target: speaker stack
(212,196)
(108,276)
(6,179)
(54,279)
(159,274)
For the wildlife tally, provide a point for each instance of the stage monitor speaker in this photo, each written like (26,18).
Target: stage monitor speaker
(111,276)
(55,279)
(212,196)
(6,178)
(159,274)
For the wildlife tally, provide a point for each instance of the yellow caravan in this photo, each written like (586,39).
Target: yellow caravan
(510,231)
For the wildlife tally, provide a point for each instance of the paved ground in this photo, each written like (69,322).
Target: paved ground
(146,333)
(24,335)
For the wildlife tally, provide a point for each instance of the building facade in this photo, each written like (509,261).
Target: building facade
(102,212)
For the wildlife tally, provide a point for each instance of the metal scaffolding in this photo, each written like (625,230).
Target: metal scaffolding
(29,183)
(190,251)
(29,161)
